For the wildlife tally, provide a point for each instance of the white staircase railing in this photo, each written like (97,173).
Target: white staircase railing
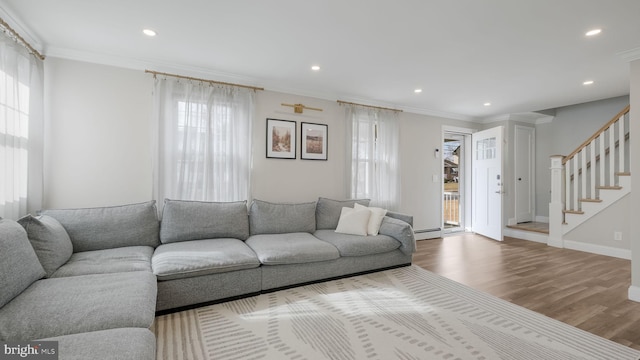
(580,180)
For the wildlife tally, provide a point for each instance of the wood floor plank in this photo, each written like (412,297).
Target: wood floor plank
(585,290)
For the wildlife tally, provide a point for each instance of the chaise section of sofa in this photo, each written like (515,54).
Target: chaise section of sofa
(203,256)
(113,344)
(62,306)
(34,307)
(95,284)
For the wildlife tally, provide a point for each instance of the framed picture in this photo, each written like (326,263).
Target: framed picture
(281,139)
(313,141)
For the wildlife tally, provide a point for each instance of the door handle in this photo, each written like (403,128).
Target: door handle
(519,179)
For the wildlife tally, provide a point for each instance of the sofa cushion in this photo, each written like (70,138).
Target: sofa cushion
(130,258)
(328,211)
(110,227)
(112,344)
(49,239)
(19,265)
(291,248)
(202,257)
(279,218)
(70,305)
(375,220)
(194,220)
(353,221)
(356,245)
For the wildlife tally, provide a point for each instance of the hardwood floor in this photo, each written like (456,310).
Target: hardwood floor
(585,290)
(532,226)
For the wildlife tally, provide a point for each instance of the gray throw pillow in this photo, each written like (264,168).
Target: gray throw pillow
(281,218)
(195,220)
(49,239)
(110,227)
(19,265)
(328,211)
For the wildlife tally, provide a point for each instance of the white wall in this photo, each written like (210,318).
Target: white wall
(98,145)
(571,126)
(97,140)
(600,229)
(421,197)
(288,180)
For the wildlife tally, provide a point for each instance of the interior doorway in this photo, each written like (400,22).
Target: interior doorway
(454,181)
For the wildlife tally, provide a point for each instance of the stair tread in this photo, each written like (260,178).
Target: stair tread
(591,200)
(610,187)
(576,212)
(626,173)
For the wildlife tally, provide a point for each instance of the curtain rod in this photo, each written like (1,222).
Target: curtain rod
(369,106)
(20,40)
(203,80)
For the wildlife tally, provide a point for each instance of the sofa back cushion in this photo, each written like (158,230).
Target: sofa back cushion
(19,265)
(49,239)
(328,211)
(196,220)
(280,218)
(110,227)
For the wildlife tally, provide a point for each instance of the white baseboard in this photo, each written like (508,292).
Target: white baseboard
(425,235)
(542,219)
(525,235)
(598,249)
(634,293)
(570,244)
(512,221)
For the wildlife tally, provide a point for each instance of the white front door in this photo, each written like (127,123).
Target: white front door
(487,183)
(525,176)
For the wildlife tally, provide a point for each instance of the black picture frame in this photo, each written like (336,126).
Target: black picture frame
(314,141)
(281,139)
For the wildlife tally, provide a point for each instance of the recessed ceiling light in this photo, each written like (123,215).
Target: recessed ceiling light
(149,32)
(417,91)
(487,104)
(315,68)
(588,82)
(593,32)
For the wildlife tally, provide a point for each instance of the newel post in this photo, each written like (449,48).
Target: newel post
(556,206)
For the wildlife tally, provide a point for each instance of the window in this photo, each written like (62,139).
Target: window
(14,135)
(20,130)
(373,162)
(204,142)
(486,149)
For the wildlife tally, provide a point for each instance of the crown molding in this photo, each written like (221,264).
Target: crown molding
(630,55)
(148,64)
(20,27)
(143,64)
(439,114)
(533,118)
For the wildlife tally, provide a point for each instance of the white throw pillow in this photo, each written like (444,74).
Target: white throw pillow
(353,222)
(375,220)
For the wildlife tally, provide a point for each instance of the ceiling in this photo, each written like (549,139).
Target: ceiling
(520,56)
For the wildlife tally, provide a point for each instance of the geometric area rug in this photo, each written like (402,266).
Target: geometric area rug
(405,313)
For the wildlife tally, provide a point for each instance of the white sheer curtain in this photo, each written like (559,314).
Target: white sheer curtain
(21,129)
(372,155)
(203,141)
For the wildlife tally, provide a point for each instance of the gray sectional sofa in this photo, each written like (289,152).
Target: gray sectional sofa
(82,275)
(87,284)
